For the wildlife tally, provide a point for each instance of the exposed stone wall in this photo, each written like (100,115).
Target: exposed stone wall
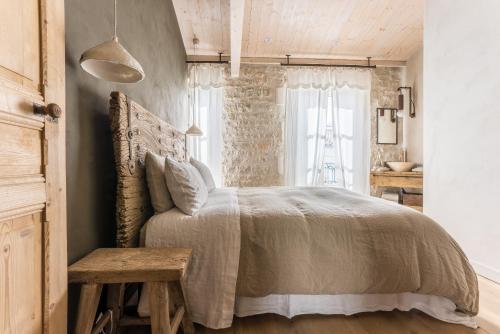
(254,120)
(384,94)
(253,123)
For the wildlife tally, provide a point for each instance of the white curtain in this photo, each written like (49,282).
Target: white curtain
(206,100)
(327,127)
(305,130)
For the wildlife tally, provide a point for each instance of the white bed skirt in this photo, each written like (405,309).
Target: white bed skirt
(292,305)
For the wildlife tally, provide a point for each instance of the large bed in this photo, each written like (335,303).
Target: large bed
(287,250)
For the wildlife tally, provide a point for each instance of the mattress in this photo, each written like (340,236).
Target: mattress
(314,250)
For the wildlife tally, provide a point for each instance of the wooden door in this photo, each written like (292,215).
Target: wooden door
(33,283)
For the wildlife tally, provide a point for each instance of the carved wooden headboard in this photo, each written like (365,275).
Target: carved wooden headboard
(135,132)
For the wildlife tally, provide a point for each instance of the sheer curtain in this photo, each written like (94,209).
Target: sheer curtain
(207,99)
(305,131)
(327,127)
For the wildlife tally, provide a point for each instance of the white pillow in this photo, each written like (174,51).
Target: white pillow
(186,186)
(205,173)
(158,191)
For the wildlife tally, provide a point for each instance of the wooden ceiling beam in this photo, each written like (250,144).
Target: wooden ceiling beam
(237,12)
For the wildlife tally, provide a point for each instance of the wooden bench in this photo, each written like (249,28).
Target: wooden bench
(161,268)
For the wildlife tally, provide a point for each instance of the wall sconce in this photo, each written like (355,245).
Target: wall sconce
(401,100)
(393,115)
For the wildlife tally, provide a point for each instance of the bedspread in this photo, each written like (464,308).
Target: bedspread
(254,242)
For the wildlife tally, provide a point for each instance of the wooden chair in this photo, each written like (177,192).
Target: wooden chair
(161,268)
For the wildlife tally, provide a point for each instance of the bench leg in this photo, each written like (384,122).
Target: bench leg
(115,304)
(158,307)
(87,307)
(180,301)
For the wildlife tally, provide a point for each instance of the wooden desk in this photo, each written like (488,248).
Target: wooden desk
(398,180)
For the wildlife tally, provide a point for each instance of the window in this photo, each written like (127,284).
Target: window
(208,117)
(327,137)
(323,162)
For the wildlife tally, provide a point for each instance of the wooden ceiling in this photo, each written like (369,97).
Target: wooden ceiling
(317,29)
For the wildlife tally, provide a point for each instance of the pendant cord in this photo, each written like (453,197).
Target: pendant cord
(195,79)
(116,22)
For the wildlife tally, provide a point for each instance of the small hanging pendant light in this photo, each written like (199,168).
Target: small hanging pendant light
(194,130)
(110,61)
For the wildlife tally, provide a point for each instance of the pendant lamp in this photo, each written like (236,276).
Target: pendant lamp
(110,61)
(194,130)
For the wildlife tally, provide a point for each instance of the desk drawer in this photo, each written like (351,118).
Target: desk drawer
(410,199)
(397,181)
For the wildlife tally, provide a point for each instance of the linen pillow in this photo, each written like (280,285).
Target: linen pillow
(186,186)
(158,191)
(205,173)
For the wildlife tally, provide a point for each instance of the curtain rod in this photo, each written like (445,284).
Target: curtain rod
(310,65)
(330,65)
(220,61)
(368,65)
(207,62)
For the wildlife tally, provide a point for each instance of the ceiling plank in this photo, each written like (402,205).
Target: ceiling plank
(237,10)
(345,15)
(320,29)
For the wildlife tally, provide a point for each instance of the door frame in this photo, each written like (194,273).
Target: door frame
(55,236)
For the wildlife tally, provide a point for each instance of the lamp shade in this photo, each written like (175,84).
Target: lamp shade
(194,131)
(110,61)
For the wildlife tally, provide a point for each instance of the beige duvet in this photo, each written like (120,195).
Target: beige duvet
(254,242)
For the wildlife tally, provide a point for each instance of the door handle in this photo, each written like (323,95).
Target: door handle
(50,109)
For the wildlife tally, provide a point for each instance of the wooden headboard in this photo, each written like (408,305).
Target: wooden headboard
(135,132)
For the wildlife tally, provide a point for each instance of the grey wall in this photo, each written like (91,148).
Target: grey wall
(149,30)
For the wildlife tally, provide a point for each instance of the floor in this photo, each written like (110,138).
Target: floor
(394,322)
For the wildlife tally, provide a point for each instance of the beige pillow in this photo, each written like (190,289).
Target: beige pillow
(158,191)
(205,173)
(186,186)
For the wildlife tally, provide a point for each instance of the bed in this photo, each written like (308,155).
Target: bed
(287,250)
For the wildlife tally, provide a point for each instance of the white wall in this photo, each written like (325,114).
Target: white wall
(462,125)
(414,79)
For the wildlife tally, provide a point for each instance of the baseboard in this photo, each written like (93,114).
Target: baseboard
(486,271)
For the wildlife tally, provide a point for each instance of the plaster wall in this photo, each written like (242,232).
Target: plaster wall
(461,119)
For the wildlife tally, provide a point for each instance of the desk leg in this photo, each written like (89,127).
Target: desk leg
(158,307)
(87,307)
